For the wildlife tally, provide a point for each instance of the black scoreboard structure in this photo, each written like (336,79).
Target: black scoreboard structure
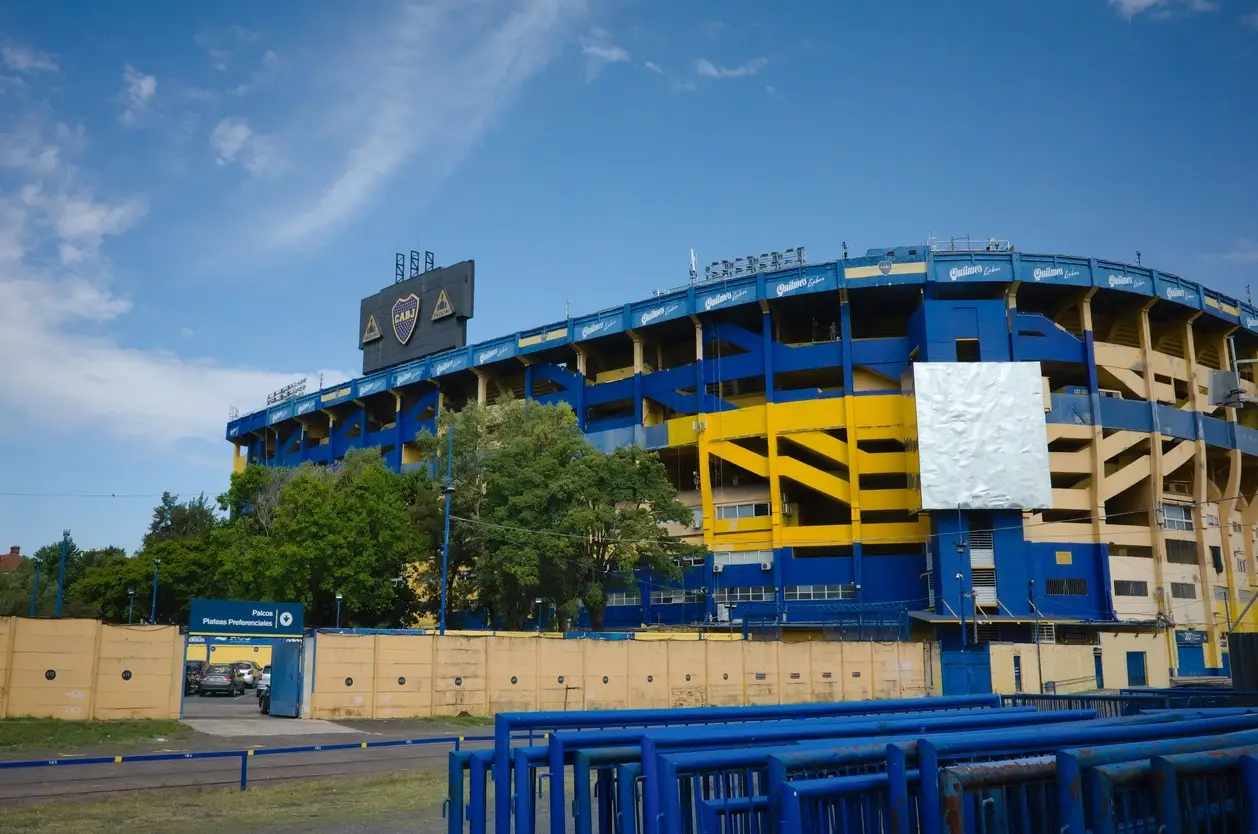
(425,314)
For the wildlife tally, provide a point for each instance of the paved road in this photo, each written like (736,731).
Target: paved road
(236,724)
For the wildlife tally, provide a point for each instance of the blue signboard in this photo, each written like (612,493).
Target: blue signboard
(1123,277)
(1035,270)
(233,617)
(813,280)
(973,268)
(447,363)
(662,311)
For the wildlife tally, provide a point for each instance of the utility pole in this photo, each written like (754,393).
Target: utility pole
(445,546)
(61,577)
(1039,658)
(153,609)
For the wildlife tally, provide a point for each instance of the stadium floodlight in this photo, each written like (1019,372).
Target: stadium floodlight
(753,264)
(288,392)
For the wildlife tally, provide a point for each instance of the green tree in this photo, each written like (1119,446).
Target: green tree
(315,531)
(173,519)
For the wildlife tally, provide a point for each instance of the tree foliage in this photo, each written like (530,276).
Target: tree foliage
(536,513)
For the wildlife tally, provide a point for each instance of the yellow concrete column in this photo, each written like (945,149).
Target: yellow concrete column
(1156,486)
(1200,495)
(853,453)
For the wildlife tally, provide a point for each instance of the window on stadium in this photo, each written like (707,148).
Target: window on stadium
(1067,587)
(1177,516)
(804,593)
(1184,590)
(730,512)
(624,598)
(729,596)
(743,557)
(1130,588)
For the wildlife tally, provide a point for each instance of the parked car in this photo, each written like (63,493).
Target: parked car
(192,676)
(250,670)
(264,682)
(221,678)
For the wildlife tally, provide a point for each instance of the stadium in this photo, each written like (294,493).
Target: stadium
(963,443)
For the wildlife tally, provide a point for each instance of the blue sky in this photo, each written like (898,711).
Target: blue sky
(194,197)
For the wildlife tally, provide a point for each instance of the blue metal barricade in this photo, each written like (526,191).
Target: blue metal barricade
(1207,791)
(506,725)
(843,805)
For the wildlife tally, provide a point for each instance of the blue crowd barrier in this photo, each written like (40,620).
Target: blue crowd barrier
(508,725)
(907,767)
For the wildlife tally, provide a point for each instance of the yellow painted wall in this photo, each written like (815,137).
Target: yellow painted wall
(1073,663)
(484,675)
(88,661)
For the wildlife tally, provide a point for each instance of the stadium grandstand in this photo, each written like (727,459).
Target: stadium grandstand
(954,439)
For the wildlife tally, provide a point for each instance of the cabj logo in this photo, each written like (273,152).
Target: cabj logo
(405,317)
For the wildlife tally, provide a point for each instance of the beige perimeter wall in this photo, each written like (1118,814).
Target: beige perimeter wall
(407,676)
(1074,668)
(81,669)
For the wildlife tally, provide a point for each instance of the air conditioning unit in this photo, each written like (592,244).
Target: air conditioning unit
(766,566)
(786,508)
(718,568)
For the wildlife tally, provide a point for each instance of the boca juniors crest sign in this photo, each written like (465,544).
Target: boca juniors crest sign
(405,317)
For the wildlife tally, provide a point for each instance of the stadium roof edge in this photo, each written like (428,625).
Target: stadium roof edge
(897,266)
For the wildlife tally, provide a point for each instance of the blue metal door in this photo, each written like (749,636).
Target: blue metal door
(1136,673)
(1192,660)
(286,679)
(1100,671)
(967,672)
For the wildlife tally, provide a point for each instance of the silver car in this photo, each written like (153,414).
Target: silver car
(250,671)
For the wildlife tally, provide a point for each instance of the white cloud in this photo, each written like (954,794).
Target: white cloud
(26,60)
(1243,251)
(1130,9)
(599,51)
(427,85)
(233,140)
(57,316)
(711,70)
(654,67)
(138,92)
(1251,19)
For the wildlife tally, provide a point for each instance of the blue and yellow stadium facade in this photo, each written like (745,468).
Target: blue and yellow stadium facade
(775,403)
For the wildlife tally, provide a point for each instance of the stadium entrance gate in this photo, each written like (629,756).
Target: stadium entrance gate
(284,699)
(283,620)
(966,671)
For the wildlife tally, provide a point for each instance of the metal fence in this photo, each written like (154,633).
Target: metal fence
(1164,761)
(105,774)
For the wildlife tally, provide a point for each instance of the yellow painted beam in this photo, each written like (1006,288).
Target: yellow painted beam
(739,456)
(813,478)
(823,444)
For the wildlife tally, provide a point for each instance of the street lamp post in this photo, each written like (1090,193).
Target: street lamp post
(338,609)
(130,604)
(445,542)
(153,609)
(61,577)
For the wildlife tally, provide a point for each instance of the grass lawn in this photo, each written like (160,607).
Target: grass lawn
(461,720)
(312,805)
(18,734)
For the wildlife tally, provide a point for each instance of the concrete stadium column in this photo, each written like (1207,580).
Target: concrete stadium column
(1156,486)
(853,456)
(771,440)
(482,386)
(582,358)
(1230,501)
(1011,310)
(1200,495)
(1098,431)
(705,461)
(638,363)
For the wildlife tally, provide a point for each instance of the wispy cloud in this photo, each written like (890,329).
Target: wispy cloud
(422,89)
(233,140)
(1130,9)
(22,59)
(58,311)
(137,92)
(599,51)
(1243,251)
(222,45)
(1251,19)
(711,70)
(654,67)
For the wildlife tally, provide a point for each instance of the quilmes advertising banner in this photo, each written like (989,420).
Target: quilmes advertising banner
(234,617)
